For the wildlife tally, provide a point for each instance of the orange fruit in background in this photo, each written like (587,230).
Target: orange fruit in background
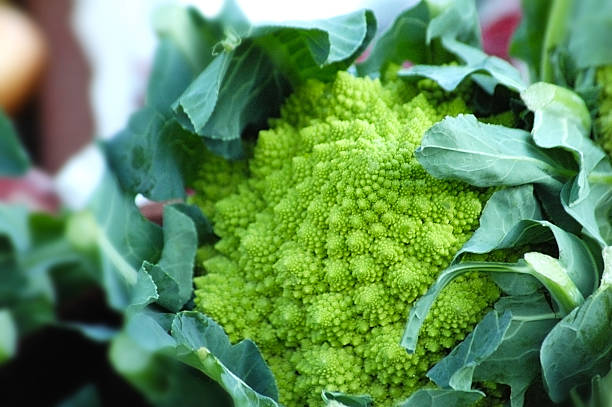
(22,57)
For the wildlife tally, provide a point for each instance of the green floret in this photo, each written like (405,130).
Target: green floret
(334,234)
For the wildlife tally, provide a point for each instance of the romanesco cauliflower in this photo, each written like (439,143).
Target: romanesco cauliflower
(333,235)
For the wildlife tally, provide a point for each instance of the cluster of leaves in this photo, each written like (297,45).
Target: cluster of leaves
(216,81)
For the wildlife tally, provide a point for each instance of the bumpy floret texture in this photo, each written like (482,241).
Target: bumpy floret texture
(334,234)
(604,119)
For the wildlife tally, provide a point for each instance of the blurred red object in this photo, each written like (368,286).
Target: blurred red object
(34,190)
(496,34)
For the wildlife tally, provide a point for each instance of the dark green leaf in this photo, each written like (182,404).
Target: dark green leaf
(162,380)
(511,334)
(403,41)
(579,347)
(601,392)
(150,155)
(442,398)
(487,155)
(527,40)
(14,160)
(174,273)
(457,369)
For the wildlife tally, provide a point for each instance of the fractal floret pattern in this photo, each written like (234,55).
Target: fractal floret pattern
(333,231)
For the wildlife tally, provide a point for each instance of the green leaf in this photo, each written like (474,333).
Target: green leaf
(404,41)
(337,399)
(601,392)
(245,84)
(174,273)
(307,49)
(579,347)
(442,398)
(561,119)
(486,155)
(502,213)
(163,380)
(594,211)
(526,43)
(511,334)
(14,160)
(590,28)
(124,239)
(151,154)
(8,335)
(239,368)
(476,61)
(457,369)
(458,20)
(563,278)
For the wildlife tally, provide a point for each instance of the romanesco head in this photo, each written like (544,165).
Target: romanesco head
(334,234)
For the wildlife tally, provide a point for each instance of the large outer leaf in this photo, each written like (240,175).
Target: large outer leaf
(246,83)
(594,211)
(488,155)
(511,334)
(337,399)
(561,119)
(580,346)
(14,160)
(239,368)
(124,239)
(403,41)
(442,398)
(590,29)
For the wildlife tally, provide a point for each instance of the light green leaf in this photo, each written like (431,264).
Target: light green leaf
(476,61)
(486,155)
(14,160)
(590,28)
(502,212)
(442,398)
(561,119)
(124,239)
(337,399)
(457,20)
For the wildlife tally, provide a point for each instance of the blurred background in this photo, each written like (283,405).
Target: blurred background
(72,71)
